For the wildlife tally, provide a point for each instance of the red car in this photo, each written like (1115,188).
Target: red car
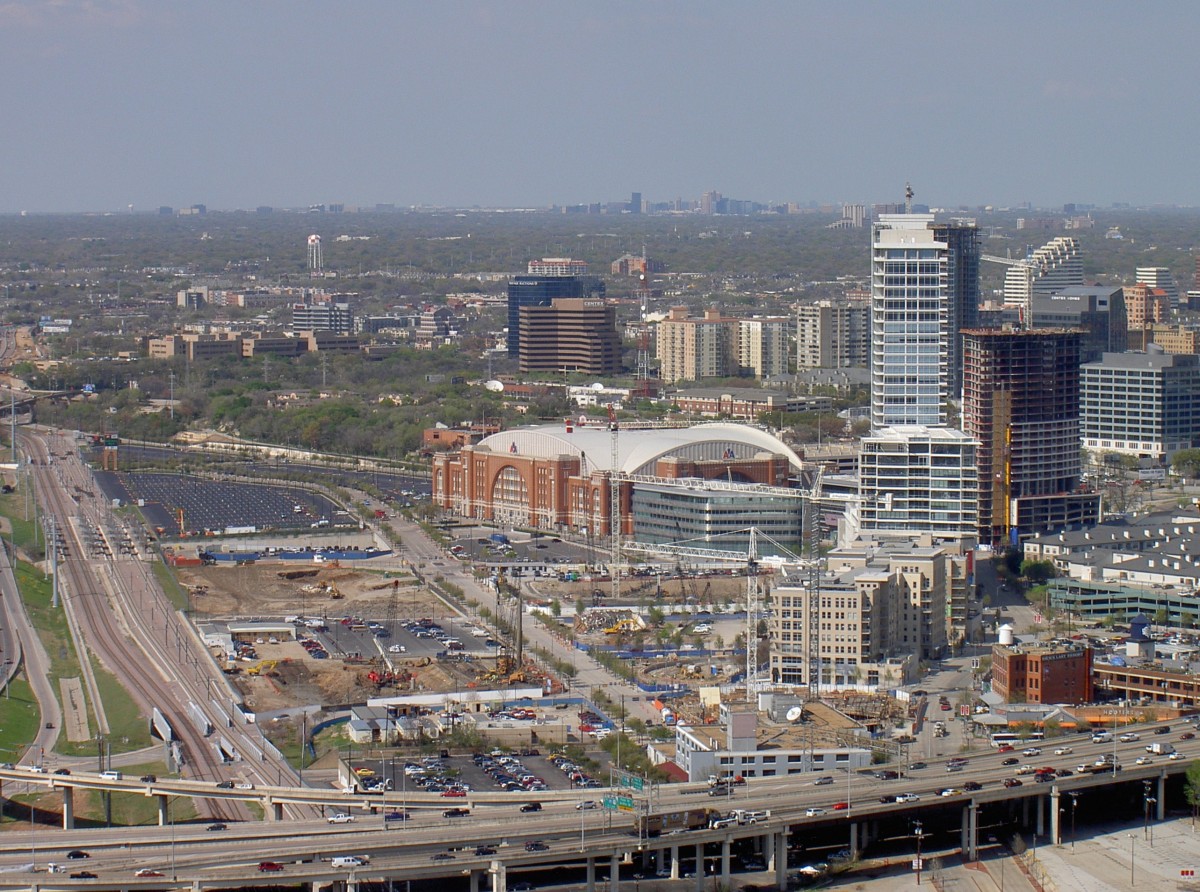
(841,806)
(1006,749)
(269,866)
(454,794)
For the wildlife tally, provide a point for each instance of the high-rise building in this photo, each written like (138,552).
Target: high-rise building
(1097,309)
(1159,277)
(541,291)
(924,287)
(557,266)
(691,349)
(1021,403)
(834,334)
(1142,404)
(1055,265)
(334,316)
(763,346)
(573,335)
(635,202)
(918,479)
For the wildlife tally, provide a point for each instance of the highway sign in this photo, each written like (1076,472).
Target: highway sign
(609,802)
(631,782)
(624,803)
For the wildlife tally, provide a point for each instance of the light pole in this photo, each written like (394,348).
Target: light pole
(1074,804)
(1147,801)
(1132,839)
(919,835)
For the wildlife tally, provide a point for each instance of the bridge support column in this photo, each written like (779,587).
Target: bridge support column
(779,859)
(591,875)
(162,811)
(1040,826)
(1161,805)
(614,873)
(725,858)
(68,794)
(499,877)
(854,843)
(674,862)
(970,831)
(473,881)
(1055,818)
(699,867)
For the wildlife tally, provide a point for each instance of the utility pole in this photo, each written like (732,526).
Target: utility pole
(172,405)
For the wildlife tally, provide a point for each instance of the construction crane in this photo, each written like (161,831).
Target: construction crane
(751,558)
(614,515)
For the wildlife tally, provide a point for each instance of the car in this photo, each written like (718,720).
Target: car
(1006,748)
(1011,761)
(456,813)
(49,726)
(340,818)
(77,854)
(1165,729)
(148,872)
(225,785)
(814,812)
(908,797)
(536,845)
(454,794)
(395,816)
(1063,772)
(531,806)
(1010,782)
(915,766)
(244,785)
(83,875)
(1063,751)
(887,798)
(950,791)
(217,826)
(269,867)
(149,779)
(822,781)
(441,856)
(521,887)
(972,786)
(585,805)
(1031,751)
(1130,737)
(1187,735)
(841,806)
(1026,769)
(480,851)
(1175,756)
(62,771)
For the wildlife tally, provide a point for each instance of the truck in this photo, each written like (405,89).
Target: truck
(750,816)
(720,780)
(1160,749)
(340,818)
(499,539)
(666,822)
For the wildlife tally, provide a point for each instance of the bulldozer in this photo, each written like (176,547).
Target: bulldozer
(628,624)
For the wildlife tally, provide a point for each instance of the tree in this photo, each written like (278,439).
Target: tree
(1038,572)
(1186,463)
(1191,789)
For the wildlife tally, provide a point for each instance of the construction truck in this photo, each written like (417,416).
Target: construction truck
(262,667)
(665,822)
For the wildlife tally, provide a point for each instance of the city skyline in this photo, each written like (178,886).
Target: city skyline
(113,103)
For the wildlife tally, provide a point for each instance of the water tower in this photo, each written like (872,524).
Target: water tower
(315,262)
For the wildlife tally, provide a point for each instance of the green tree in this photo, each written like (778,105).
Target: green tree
(1038,572)
(1191,789)
(1186,463)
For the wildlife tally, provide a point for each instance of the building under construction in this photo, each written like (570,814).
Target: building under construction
(1021,402)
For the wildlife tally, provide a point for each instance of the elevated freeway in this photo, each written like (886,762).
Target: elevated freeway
(849,809)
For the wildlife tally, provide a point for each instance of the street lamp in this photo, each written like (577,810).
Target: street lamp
(1147,801)
(1132,839)
(919,835)
(1074,804)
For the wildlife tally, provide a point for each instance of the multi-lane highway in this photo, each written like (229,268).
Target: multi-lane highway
(572,836)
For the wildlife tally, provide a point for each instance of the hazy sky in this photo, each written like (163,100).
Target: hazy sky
(237,103)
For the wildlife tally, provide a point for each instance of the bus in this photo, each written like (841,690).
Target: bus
(1009,738)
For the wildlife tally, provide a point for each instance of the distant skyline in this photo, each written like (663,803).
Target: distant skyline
(111,103)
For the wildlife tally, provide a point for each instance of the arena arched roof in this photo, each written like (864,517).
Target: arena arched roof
(640,448)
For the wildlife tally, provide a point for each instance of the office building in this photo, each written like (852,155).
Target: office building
(541,290)
(834,334)
(557,266)
(1042,674)
(690,349)
(762,346)
(570,335)
(1021,403)
(1142,404)
(1159,277)
(1145,306)
(924,289)
(1097,309)
(334,316)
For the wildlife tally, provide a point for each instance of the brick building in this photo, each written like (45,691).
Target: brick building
(1035,674)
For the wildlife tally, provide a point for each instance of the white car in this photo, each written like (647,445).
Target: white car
(1031,751)
(1175,756)
(1144,760)
(1128,737)
(1063,751)
(814,812)
(908,797)
(585,805)
(397,649)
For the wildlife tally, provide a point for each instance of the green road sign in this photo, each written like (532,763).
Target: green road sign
(609,802)
(632,782)
(624,803)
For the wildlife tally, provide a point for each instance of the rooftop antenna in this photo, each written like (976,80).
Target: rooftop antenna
(908,197)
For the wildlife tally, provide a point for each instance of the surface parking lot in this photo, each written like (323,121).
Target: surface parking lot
(354,635)
(216,505)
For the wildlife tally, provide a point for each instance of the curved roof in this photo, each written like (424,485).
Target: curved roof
(639,448)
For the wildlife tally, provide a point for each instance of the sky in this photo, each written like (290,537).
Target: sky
(240,103)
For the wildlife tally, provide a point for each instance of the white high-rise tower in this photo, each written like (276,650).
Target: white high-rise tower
(316,264)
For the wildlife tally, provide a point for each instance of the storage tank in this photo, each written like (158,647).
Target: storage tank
(1006,635)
